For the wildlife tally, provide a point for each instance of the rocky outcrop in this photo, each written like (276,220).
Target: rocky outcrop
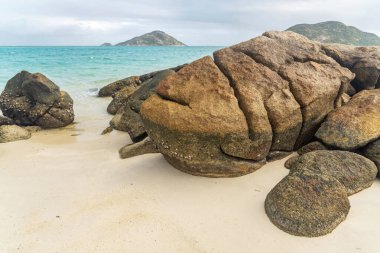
(353,171)
(354,125)
(9,133)
(307,203)
(259,99)
(363,61)
(33,99)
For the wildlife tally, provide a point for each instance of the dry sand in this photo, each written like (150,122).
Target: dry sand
(67,191)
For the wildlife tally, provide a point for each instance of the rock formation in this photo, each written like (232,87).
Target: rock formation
(33,99)
(355,124)
(258,101)
(224,118)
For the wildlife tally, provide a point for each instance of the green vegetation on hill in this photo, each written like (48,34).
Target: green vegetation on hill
(155,38)
(336,32)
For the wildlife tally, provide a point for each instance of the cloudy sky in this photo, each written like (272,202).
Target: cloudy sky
(206,22)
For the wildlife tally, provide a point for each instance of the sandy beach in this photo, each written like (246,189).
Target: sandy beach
(66,190)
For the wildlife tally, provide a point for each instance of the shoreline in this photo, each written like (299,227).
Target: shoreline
(66,190)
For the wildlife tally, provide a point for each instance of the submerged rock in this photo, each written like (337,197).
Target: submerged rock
(353,171)
(355,124)
(9,133)
(307,203)
(33,99)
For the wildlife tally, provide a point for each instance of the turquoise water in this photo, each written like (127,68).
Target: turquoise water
(78,69)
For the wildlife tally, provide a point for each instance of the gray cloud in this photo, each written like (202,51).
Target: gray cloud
(207,22)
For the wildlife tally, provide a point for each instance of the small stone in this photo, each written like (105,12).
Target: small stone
(10,133)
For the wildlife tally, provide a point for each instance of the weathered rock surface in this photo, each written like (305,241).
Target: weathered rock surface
(372,152)
(353,171)
(291,161)
(9,133)
(307,203)
(363,61)
(197,124)
(310,147)
(316,81)
(112,88)
(145,146)
(128,117)
(280,88)
(33,99)
(355,124)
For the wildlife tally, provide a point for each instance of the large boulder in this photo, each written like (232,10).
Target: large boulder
(257,100)
(307,203)
(355,124)
(353,171)
(363,61)
(9,133)
(33,99)
(197,124)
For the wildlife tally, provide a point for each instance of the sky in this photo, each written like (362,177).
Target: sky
(206,22)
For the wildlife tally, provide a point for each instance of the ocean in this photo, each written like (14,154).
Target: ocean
(79,70)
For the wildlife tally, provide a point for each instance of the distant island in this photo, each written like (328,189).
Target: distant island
(336,32)
(155,38)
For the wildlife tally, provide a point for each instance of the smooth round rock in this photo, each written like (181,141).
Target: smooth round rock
(354,171)
(308,204)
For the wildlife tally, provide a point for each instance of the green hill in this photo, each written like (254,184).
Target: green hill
(336,32)
(155,38)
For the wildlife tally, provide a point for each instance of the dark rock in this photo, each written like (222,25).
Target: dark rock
(9,133)
(277,155)
(111,88)
(107,130)
(128,117)
(120,98)
(32,99)
(363,61)
(6,121)
(307,203)
(353,171)
(291,161)
(372,152)
(312,146)
(355,124)
(145,146)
